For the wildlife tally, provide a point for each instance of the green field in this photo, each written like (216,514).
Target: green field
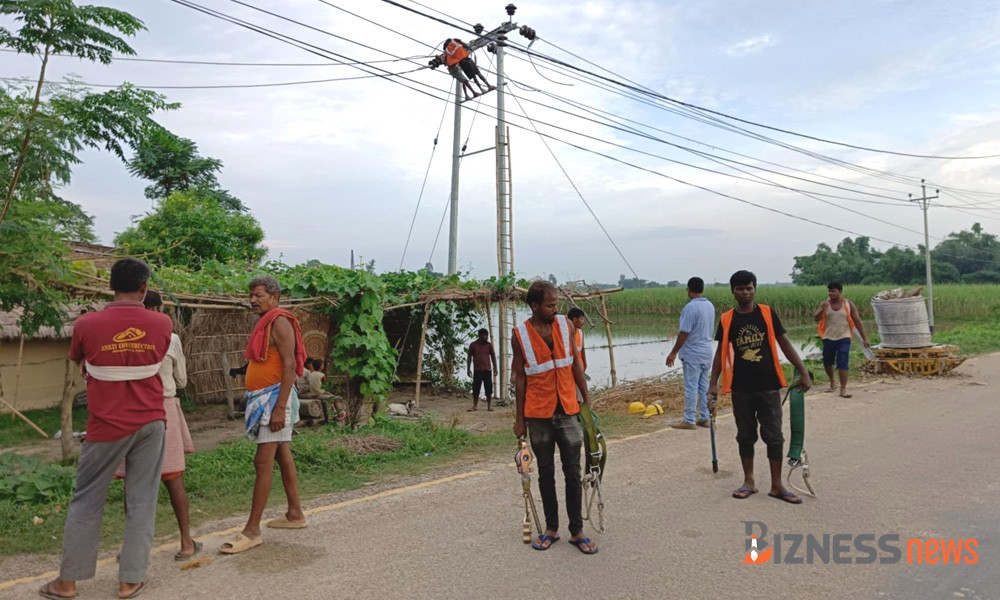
(951,301)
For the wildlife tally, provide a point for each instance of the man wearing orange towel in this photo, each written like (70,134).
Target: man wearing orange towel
(276,358)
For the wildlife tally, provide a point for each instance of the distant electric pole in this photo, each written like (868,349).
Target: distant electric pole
(925,202)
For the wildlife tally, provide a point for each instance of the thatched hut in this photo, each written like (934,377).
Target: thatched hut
(32,367)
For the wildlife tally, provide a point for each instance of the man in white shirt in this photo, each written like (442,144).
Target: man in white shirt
(696,349)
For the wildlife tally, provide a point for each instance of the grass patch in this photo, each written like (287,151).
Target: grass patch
(15,432)
(219,481)
(979,337)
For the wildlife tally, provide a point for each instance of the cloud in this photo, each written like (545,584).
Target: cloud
(750,46)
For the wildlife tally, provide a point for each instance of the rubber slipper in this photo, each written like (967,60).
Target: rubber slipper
(135,592)
(787,496)
(579,545)
(283,523)
(551,539)
(46,592)
(240,543)
(180,556)
(744,492)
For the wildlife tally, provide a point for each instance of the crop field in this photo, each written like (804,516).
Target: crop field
(951,301)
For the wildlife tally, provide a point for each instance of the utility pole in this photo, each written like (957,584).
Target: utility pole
(456,161)
(925,202)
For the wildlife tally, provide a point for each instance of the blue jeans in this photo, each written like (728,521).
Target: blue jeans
(696,390)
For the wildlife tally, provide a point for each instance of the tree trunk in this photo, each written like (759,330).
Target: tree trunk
(25,144)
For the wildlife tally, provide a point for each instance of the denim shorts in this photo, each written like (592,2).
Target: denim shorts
(837,351)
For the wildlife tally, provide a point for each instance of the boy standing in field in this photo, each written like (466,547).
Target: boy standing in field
(747,358)
(480,364)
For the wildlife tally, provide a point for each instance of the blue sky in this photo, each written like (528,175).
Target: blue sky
(332,167)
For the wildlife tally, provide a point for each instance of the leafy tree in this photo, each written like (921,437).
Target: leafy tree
(970,252)
(191,227)
(173,164)
(60,27)
(635,283)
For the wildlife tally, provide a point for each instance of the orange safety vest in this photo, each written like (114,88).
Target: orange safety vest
(454,53)
(846,307)
(727,354)
(549,372)
(579,347)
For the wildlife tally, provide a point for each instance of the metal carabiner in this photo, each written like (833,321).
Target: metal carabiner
(803,463)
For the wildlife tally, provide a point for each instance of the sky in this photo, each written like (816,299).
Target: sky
(338,166)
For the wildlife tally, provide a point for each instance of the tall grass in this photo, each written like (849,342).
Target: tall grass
(951,301)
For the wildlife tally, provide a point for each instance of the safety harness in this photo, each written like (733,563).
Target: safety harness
(596,450)
(797,457)
(523,461)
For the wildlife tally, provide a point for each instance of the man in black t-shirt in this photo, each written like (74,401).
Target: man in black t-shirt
(747,358)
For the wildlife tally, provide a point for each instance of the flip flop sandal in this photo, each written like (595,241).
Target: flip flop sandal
(135,592)
(551,539)
(744,492)
(579,545)
(283,523)
(46,592)
(240,543)
(182,556)
(788,497)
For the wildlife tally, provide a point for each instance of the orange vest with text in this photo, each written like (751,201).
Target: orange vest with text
(549,372)
(727,352)
(844,306)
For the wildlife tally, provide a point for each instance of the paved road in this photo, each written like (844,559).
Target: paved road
(917,458)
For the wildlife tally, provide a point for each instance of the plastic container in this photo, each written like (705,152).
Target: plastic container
(902,323)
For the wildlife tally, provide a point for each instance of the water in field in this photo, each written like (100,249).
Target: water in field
(641,345)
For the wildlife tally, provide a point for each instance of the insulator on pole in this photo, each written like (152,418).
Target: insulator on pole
(510,8)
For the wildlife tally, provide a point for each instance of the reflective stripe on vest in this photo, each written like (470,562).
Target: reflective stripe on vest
(727,357)
(122,373)
(846,307)
(550,381)
(579,340)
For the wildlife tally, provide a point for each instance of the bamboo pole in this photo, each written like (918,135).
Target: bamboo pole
(18,413)
(420,352)
(611,345)
(17,373)
(66,420)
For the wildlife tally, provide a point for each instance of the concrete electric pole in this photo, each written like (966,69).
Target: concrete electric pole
(925,202)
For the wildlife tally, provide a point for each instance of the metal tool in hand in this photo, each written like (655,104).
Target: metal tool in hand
(797,457)
(712,400)
(523,460)
(595,449)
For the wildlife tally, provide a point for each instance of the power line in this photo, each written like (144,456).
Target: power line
(233,64)
(423,185)
(320,52)
(576,189)
(645,90)
(213,87)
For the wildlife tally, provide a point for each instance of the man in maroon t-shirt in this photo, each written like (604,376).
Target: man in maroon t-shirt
(480,365)
(120,350)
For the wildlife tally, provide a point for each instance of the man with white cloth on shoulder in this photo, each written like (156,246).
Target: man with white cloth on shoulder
(121,348)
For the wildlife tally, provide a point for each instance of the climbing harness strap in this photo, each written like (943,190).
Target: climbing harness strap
(797,457)
(595,449)
(523,460)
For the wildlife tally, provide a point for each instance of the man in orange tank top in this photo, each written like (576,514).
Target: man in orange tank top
(277,357)
(547,373)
